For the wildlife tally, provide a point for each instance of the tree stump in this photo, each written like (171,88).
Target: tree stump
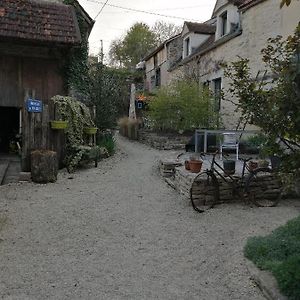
(44,166)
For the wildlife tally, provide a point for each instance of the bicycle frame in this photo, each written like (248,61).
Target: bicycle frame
(228,179)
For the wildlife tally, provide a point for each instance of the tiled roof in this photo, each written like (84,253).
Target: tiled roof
(245,4)
(31,20)
(200,28)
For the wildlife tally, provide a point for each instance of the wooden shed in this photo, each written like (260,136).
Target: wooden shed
(35,37)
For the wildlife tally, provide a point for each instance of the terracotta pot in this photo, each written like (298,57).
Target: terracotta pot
(195,165)
(187,165)
(252,165)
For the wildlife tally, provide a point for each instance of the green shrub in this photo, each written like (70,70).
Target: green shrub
(279,253)
(108,142)
(183,105)
(288,277)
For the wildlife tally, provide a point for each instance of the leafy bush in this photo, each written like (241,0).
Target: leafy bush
(108,142)
(279,253)
(78,116)
(183,105)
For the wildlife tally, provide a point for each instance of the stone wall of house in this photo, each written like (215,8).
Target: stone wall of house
(175,48)
(259,23)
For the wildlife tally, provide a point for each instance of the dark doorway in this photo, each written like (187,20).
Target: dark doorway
(9,127)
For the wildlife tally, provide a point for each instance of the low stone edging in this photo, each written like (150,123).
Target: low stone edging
(163,141)
(181,180)
(265,281)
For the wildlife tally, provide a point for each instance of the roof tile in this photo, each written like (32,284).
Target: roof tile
(38,21)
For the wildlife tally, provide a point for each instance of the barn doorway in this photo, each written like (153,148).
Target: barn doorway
(9,128)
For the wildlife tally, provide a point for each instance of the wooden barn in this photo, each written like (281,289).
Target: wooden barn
(35,38)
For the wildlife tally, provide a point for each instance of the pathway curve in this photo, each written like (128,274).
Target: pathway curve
(119,232)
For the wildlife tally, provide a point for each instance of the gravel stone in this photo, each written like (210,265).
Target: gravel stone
(120,232)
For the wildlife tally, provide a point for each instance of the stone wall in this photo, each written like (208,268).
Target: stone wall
(163,141)
(183,181)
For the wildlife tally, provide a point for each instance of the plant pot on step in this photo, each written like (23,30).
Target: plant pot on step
(90,130)
(229,167)
(59,124)
(195,165)
(252,165)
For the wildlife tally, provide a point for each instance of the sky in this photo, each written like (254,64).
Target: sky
(114,19)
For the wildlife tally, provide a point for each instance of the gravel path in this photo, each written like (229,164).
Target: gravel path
(119,232)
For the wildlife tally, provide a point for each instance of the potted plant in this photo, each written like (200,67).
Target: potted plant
(229,167)
(60,122)
(195,164)
(90,130)
(252,165)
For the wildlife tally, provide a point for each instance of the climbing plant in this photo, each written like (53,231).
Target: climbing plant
(78,116)
(75,68)
(273,102)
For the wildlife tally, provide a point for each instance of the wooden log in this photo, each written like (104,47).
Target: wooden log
(44,166)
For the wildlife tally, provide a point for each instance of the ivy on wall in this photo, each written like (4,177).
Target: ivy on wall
(75,68)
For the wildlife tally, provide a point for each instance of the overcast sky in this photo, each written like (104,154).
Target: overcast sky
(113,21)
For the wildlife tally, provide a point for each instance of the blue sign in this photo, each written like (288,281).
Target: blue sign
(35,106)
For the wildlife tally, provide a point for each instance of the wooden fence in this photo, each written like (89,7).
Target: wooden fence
(37,133)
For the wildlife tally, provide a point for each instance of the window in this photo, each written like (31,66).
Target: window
(217,93)
(155,61)
(223,23)
(157,77)
(187,47)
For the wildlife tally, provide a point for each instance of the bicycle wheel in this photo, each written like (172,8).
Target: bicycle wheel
(204,192)
(263,188)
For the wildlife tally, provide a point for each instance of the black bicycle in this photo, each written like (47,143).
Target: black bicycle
(261,187)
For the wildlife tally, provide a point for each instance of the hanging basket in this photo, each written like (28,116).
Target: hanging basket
(90,130)
(59,125)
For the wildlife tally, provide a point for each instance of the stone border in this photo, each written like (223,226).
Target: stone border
(265,281)
(163,141)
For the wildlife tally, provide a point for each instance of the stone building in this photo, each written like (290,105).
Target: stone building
(159,61)
(238,28)
(36,37)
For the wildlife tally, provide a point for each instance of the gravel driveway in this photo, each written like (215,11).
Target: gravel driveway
(119,232)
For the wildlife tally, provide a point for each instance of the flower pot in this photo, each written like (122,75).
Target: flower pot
(59,125)
(195,165)
(90,130)
(275,162)
(252,165)
(187,165)
(229,167)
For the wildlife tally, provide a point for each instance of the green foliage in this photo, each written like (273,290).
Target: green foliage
(288,277)
(257,140)
(75,67)
(130,50)
(78,116)
(79,155)
(279,253)
(108,142)
(273,106)
(183,105)
(110,93)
